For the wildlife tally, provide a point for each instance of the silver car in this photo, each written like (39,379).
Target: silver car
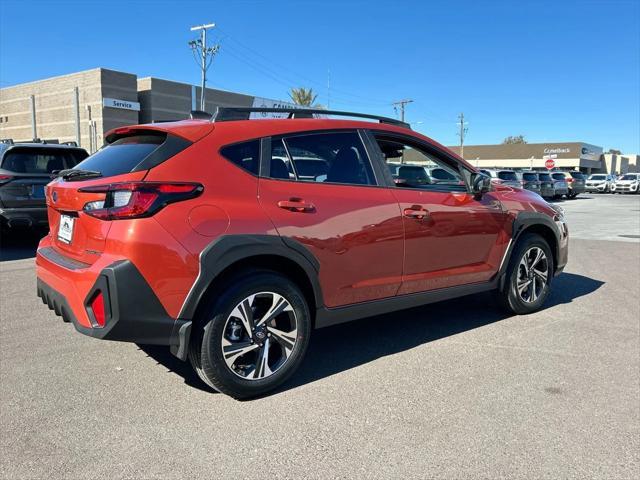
(560,185)
(504,177)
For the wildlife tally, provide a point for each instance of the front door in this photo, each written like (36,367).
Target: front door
(322,192)
(451,238)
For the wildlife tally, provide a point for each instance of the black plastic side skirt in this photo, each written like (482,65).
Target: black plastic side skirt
(332,316)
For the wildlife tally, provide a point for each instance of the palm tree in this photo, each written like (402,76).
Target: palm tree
(303,96)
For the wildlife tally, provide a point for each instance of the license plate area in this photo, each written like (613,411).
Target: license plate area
(65,228)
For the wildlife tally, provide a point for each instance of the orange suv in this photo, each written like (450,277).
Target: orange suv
(230,239)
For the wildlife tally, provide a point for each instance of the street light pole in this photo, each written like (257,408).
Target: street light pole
(199,47)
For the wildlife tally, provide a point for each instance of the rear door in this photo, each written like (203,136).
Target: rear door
(29,169)
(349,223)
(451,238)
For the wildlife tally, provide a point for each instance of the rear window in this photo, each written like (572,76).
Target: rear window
(41,160)
(558,176)
(123,155)
(597,177)
(507,176)
(530,177)
(577,175)
(545,177)
(442,174)
(246,155)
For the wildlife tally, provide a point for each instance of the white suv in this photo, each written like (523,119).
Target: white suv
(627,183)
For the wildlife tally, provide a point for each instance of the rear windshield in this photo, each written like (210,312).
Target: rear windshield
(559,176)
(545,177)
(41,160)
(597,177)
(577,175)
(530,177)
(507,176)
(442,174)
(123,155)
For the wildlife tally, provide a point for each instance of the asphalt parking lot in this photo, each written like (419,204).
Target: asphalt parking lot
(452,390)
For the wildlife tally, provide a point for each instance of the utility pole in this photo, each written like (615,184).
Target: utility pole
(401,104)
(204,55)
(462,133)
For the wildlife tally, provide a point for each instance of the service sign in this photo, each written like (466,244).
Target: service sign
(122,104)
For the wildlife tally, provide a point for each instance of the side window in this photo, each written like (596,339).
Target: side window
(412,167)
(246,155)
(337,157)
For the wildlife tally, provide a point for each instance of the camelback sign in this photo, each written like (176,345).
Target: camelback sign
(259,102)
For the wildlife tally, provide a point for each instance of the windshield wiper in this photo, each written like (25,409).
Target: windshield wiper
(71,173)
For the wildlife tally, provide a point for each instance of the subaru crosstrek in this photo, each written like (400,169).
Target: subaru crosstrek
(202,235)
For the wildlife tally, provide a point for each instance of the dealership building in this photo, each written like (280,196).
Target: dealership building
(565,155)
(82,106)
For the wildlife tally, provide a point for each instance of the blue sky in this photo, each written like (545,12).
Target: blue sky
(550,70)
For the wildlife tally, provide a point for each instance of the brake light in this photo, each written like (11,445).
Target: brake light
(137,199)
(97,307)
(5,178)
(570,179)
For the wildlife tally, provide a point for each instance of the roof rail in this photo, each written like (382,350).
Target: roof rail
(8,141)
(199,115)
(226,114)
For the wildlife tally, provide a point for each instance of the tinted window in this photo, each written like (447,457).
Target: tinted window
(417,168)
(507,176)
(545,177)
(629,177)
(442,174)
(123,155)
(246,155)
(41,160)
(558,176)
(323,157)
(597,177)
(577,175)
(530,177)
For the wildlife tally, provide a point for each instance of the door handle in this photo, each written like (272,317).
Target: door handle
(416,212)
(297,205)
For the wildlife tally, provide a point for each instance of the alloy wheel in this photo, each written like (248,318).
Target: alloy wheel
(259,335)
(532,276)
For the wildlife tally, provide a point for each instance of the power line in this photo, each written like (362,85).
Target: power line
(205,54)
(401,104)
(462,133)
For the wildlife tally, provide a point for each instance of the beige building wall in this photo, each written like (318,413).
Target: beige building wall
(55,106)
(162,100)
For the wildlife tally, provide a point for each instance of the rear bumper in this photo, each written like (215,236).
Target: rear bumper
(133,312)
(24,217)
(577,189)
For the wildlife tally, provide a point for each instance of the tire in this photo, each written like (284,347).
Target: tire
(220,326)
(526,302)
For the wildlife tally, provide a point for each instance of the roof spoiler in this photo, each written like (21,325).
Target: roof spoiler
(227,114)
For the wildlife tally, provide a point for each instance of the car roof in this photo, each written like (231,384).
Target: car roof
(6,147)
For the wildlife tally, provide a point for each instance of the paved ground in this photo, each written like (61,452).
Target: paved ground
(454,390)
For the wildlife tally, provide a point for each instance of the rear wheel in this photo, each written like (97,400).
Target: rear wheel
(253,337)
(528,276)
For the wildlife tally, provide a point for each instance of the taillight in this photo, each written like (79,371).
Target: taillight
(137,199)
(5,178)
(97,308)
(570,179)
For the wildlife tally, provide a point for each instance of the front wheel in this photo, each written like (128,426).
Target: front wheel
(253,337)
(528,277)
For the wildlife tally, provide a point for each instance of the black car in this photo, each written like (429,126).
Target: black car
(25,169)
(530,181)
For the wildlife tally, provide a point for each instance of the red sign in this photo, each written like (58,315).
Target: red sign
(550,164)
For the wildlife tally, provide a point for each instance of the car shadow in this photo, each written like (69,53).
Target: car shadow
(19,244)
(342,347)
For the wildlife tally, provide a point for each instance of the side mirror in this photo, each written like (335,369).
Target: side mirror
(480,184)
